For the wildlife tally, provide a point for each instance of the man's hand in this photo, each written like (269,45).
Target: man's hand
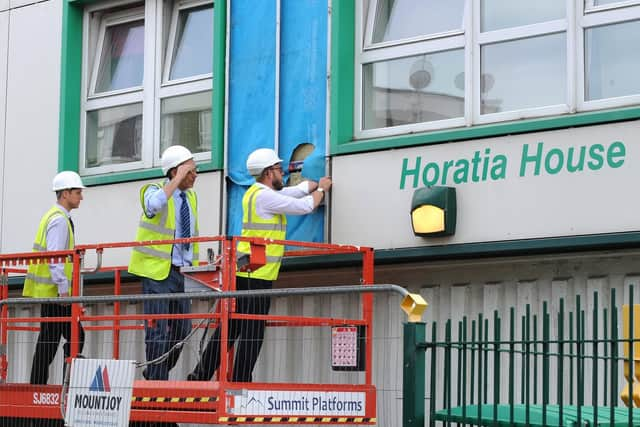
(183,170)
(325,183)
(182,173)
(64,295)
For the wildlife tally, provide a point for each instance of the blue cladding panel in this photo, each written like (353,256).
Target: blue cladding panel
(303,84)
(303,69)
(251,94)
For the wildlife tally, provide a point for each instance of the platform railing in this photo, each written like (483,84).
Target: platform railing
(224,285)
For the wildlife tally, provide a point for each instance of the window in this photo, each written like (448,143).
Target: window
(609,63)
(409,50)
(147,83)
(444,64)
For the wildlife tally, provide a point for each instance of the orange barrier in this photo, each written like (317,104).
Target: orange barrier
(204,402)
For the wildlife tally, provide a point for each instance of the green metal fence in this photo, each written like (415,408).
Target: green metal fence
(561,368)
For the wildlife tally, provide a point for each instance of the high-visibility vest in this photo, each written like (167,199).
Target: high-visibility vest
(38,282)
(255,226)
(154,261)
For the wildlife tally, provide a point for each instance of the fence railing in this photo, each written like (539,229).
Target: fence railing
(567,367)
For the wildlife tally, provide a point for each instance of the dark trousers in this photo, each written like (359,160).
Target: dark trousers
(249,333)
(163,334)
(48,340)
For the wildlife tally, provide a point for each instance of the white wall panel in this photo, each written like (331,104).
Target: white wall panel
(528,197)
(13,4)
(31,147)
(111,213)
(4,5)
(4,41)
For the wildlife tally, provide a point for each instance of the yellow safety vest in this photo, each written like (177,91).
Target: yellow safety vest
(38,282)
(255,226)
(154,261)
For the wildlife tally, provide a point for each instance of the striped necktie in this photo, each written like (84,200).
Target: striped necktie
(185,219)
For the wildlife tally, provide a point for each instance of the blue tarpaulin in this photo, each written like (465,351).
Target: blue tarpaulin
(302,102)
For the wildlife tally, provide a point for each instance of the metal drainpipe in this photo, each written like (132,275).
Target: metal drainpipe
(276,125)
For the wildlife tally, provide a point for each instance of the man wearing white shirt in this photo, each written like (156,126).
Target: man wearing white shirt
(55,233)
(264,207)
(169,211)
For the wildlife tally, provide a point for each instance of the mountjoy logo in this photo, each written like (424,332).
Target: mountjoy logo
(100,380)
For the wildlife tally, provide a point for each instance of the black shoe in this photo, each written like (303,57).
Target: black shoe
(145,374)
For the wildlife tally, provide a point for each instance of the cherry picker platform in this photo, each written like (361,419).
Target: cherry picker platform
(219,401)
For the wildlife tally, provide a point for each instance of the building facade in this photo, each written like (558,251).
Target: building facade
(530,110)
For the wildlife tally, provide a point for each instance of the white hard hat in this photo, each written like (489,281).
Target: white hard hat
(173,156)
(66,180)
(261,159)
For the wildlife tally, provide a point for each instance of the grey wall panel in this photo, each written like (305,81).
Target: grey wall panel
(302,354)
(31,145)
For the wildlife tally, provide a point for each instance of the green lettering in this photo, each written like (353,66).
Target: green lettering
(526,158)
(595,152)
(408,172)
(436,174)
(445,171)
(573,166)
(485,164)
(461,175)
(616,150)
(475,161)
(499,168)
(548,161)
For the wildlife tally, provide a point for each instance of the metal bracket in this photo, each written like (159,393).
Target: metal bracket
(414,305)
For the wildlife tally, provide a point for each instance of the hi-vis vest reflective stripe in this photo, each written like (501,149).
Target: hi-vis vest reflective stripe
(38,282)
(154,261)
(255,226)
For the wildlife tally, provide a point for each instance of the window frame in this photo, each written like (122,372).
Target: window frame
(346,34)
(165,88)
(112,19)
(588,5)
(74,91)
(92,101)
(506,35)
(597,17)
(395,49)
(169,51)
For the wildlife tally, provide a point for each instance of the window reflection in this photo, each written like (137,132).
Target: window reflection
(122,58)
(193,54)
(524,73)
(611,61)
(498,14)
(401,19)
(114,135)
(186,120)
(415,89)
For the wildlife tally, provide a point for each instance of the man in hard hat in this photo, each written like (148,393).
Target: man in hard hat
(264,207)
(55,233)
(169,211)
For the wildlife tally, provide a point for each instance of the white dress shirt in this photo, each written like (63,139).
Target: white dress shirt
(58,240)
(290,200)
